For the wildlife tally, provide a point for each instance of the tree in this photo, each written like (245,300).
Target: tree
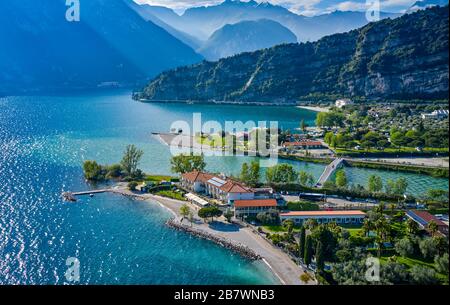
(423,275)
(303,126)
(413,227)
(132,185)
(375,184)
(400,186)
(320,257)
(130,161)
(306,179)
(288,225)
(271,217)
(281,173)
(341,178)
(311,224)
(382,228)
(308,251)
(433,228)
(404,247)
(328,137)
(184,211)
(441,263)
(427,247)
(245,172)
(253,174)
(228,215)
(302,242)
(209,212)
(114,171)
(441,243)
(367,226)
(93,171)
(182,163)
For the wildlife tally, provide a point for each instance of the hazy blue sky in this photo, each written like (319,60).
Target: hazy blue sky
(306,7)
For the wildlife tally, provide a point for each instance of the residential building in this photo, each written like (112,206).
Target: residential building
(304,144)
(343,102)
(339,217)
(244,208)
(423,219)
(437,114)
(221,188)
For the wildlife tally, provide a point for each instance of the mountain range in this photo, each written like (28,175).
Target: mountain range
(406,57)
(42,51)
(202,22)
(245,36)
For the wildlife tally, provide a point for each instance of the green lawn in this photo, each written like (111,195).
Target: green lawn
(158,178)
(278,229)
(171,194)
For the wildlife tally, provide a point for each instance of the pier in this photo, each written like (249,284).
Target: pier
(329,170)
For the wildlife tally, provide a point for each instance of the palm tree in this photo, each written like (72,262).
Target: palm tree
(184,211)
(382,228)
(433,228)
(367,226)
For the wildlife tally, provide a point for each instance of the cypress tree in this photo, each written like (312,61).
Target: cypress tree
(308,250)
(320,258)
(302,241)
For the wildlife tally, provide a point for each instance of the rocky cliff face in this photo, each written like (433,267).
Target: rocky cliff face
(400,58)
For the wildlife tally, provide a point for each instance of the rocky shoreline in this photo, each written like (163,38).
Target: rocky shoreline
(227,244)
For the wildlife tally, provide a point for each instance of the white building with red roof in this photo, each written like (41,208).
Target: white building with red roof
(221,188)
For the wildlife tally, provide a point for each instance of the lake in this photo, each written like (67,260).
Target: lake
(43,142)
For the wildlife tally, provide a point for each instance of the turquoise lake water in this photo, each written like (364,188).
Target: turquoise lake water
(43,141)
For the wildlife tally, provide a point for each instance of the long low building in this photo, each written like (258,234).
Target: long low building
(253,207)
(339,217)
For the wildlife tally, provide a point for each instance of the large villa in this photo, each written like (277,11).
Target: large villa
(220,188)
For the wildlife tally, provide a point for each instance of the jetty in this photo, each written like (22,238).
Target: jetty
(72,196)
(329,171)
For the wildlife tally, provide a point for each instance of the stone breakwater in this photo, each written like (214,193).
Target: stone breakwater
(228,244)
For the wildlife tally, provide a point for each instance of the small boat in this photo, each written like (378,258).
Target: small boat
(91,195)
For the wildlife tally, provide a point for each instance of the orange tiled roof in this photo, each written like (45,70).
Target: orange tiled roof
(235,187)
(325,213)
(255,203)
(197,176)
(303,143)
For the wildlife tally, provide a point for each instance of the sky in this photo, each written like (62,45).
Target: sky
(304,7)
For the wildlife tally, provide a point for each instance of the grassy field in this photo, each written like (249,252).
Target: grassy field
(158,178)
(171,194)
(278,229)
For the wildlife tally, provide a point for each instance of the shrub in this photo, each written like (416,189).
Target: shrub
(423,275)
(427,247)
(132,185)
(404,247)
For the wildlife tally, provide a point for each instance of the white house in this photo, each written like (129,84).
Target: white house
(339,217)
(343,102)
(437,114)
(221,188)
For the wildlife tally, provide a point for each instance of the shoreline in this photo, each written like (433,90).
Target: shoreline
(278,263)
(314,108)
